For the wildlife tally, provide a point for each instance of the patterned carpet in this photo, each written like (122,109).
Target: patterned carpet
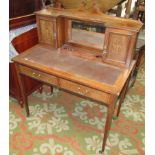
(63,124)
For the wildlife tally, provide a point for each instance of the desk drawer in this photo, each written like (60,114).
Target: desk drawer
(84,90)
(47,78)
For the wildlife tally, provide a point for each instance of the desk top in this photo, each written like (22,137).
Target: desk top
(90,73)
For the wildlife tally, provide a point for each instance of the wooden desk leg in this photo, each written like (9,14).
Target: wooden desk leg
(41,89)
(139,58)
(51,89)
(108,122)
(22,89)
(122,96)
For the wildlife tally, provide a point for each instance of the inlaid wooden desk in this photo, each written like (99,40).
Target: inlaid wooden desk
(87,78)
(90,64)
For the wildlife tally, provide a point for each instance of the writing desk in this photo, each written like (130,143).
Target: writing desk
(82,67)
(96,81)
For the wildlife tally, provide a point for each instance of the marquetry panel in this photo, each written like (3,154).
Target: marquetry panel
(47,31)
(119,46)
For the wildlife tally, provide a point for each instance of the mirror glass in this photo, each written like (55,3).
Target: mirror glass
(87,34)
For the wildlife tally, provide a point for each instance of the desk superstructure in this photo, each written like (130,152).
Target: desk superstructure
(98,73)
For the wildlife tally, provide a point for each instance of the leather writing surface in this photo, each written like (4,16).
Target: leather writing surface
(74,65)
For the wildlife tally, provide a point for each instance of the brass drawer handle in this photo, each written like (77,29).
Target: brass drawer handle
(79,91)
(33,73)
(82,93)
(86,92)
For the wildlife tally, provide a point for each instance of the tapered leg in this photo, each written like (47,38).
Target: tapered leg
(108,123)
(41,89)
(51,89)
(22,89)
(122,96)
(139,60)
(21,102)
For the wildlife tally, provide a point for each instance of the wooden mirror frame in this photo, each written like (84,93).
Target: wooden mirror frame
(69,40)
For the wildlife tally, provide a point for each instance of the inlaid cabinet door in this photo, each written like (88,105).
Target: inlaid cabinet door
(119,46)
(47,30)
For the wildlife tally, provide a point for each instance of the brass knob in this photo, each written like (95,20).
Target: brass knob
(25,58)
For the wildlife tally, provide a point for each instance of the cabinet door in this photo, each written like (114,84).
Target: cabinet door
(47,30)
(118,47)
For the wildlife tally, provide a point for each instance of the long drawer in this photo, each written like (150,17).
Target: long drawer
(35,74)
(84,90)
(65,84)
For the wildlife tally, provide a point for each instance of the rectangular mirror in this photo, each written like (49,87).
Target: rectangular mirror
(86,34)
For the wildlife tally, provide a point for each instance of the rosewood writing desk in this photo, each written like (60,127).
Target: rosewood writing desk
(77,64)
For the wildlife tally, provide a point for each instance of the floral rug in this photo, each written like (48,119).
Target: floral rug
(64,124)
